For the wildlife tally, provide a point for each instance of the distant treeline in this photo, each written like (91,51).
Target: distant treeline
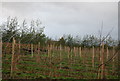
(34,33)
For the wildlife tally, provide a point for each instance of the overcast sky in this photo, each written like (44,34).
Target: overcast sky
(75,18)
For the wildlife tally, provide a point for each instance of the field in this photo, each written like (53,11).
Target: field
(56,63)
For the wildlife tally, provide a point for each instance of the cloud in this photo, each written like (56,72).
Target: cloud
(67,17)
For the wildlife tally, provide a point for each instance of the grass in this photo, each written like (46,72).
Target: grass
(77,68)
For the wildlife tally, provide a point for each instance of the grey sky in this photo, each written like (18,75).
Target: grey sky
(75,18)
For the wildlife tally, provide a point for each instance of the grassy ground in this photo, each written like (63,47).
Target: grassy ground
(78,67)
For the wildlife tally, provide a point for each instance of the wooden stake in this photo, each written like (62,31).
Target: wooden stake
(102,61)
(31,50)
(107,53)
(19,47)
(1,48)
(38,48)
(64,49)
(100,54)
(113,66)
(68,52)
(18,55)
(12,59)
(68,56)
(93,57)
(60,55)
(38,55)
(50,56)
(84,55)
(51,52)
(98,73)
(48,51)
(50,48)
(1,56)
(74,51)
(80,52)
(99,57)
(113,52)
